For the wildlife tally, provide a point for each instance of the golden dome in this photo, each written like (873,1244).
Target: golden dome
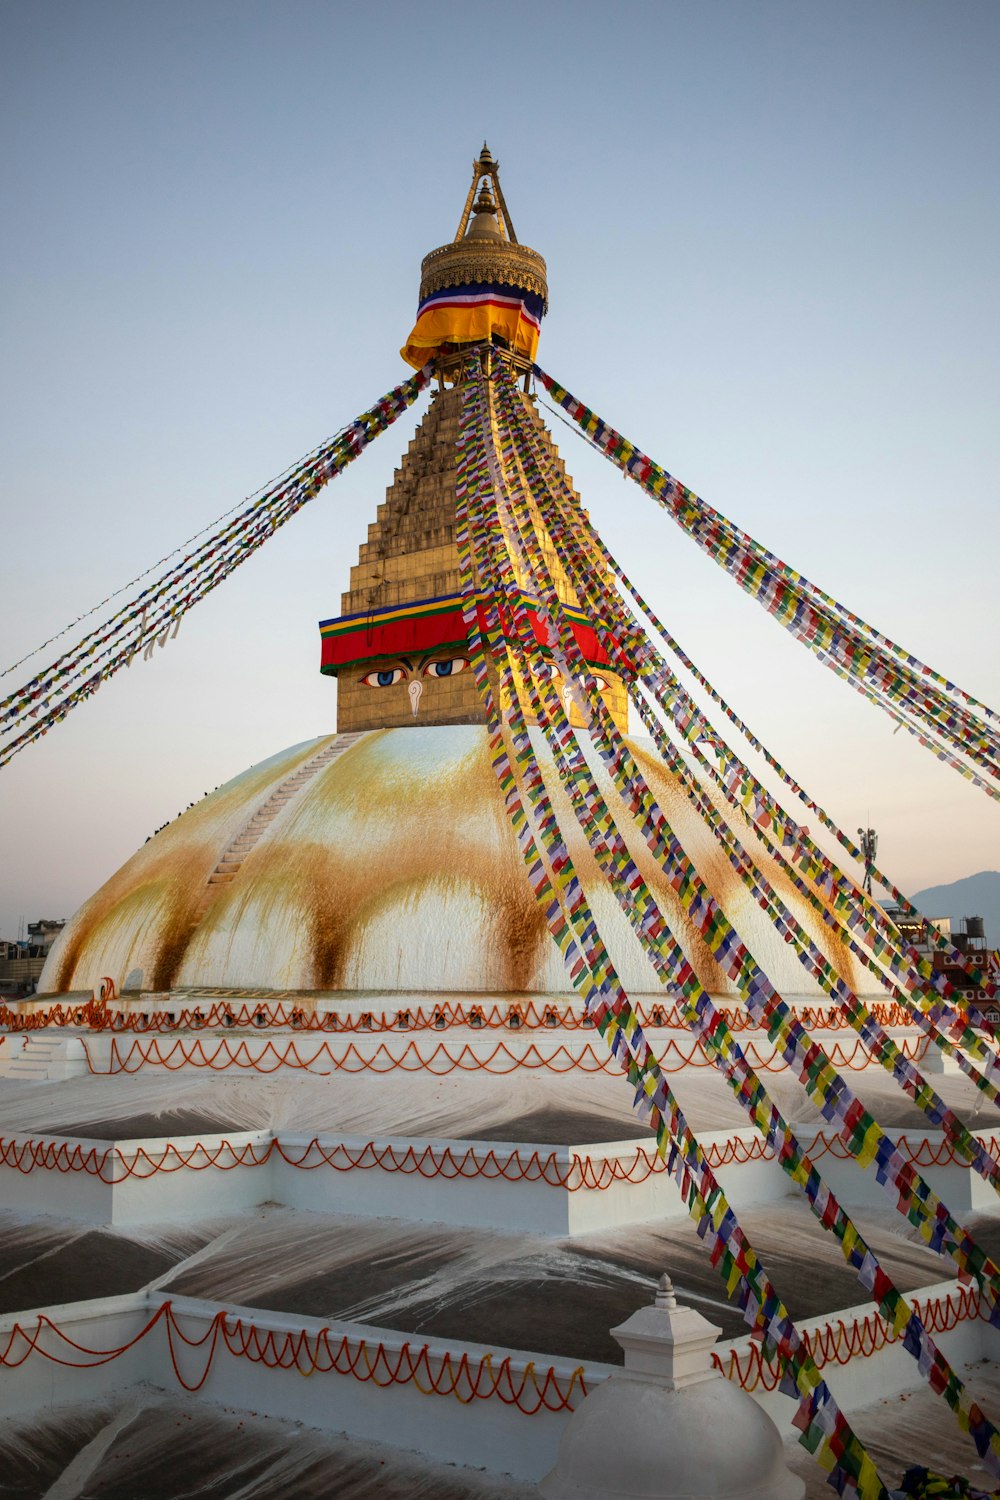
(484,224)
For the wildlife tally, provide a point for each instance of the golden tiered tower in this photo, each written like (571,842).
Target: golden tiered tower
(399,648)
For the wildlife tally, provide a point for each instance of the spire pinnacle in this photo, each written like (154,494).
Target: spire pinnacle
(665,1298)
(482,286)
(486,175)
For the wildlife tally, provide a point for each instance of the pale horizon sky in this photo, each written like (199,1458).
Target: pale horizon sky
(771,233)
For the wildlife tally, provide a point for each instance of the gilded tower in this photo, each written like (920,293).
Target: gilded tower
(398,649)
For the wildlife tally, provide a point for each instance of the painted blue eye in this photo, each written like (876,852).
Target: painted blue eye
(446,668)
(385,678)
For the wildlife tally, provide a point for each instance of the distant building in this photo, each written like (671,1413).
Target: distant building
(969,942)
(43,933)
(21,963)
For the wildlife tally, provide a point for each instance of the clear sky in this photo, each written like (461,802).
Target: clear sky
(771,229)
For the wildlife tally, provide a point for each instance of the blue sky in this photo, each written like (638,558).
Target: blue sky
(771,233)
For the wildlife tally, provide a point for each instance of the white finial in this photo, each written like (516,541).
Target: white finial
(665,1298)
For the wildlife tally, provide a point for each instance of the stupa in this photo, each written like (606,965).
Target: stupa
(310,1091)
(380,857)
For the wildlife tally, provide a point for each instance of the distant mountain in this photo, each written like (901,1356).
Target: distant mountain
(975,896)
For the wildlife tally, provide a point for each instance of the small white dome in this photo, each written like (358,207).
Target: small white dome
(668,1427)
(633,1439)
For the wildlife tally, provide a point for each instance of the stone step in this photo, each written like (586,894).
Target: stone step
(232,859)
(40,1060)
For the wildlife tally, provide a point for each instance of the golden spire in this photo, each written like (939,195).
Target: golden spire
(485,172)
(487,248)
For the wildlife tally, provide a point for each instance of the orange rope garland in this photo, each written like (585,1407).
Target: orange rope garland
(839,1342)
(112,1165)
(440,1060)
(463,1377)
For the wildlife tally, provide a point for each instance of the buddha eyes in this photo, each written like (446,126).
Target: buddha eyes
(450,668)
(389,676)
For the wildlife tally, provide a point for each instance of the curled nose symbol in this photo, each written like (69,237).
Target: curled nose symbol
(415,688)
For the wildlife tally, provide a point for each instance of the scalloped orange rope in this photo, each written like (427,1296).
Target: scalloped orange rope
(840,1342)
(441,1060)
(463,1377)
(580,1173)
(837,1342)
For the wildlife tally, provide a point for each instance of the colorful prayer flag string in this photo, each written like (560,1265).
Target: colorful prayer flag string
(636,901)
(832,896)
(942,716)
(824,1429)
(155,613)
